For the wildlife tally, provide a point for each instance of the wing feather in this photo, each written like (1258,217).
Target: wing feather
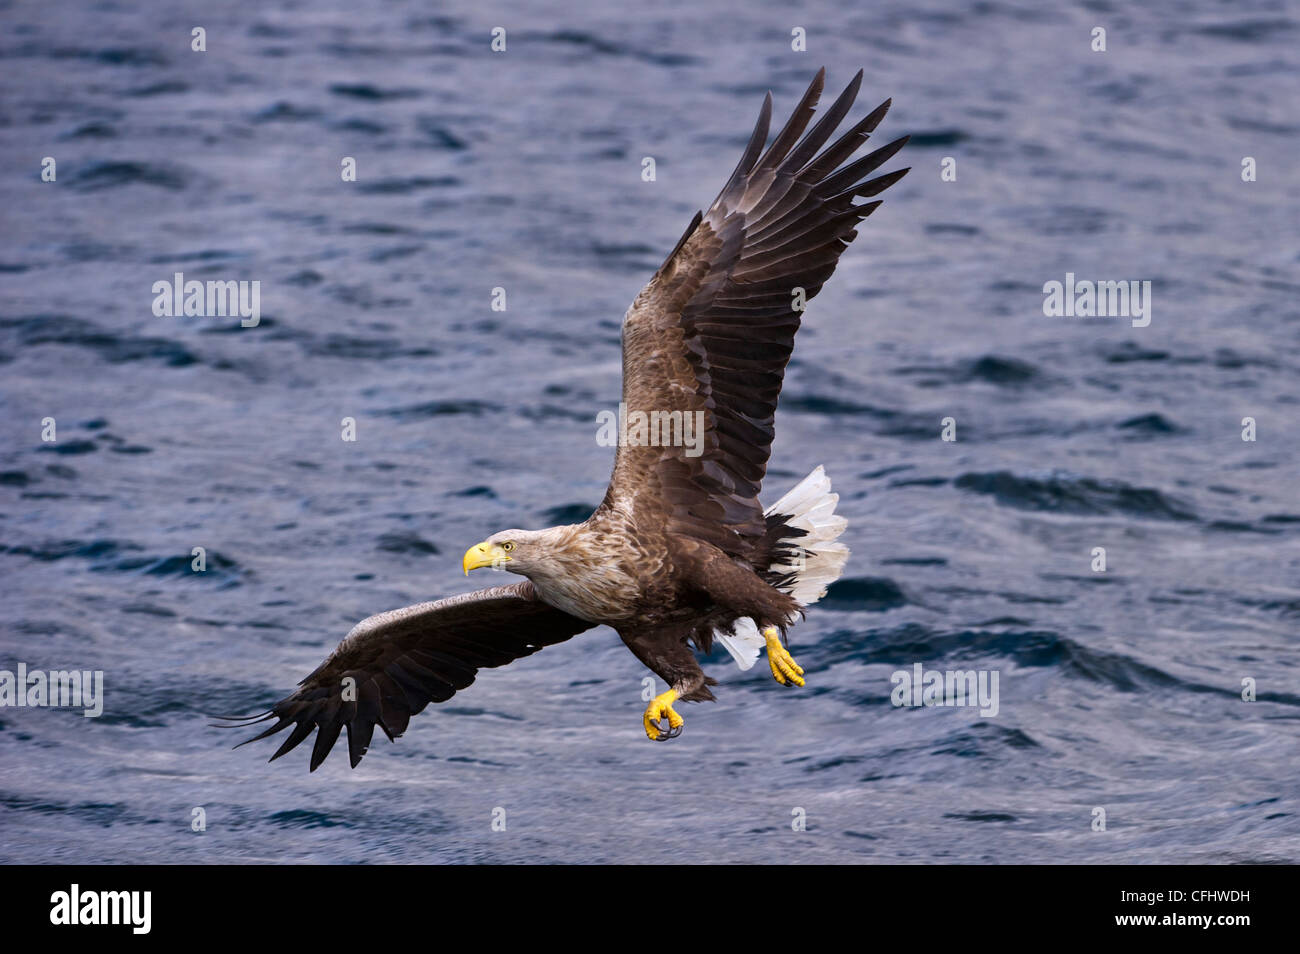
(714,329)
(402,660)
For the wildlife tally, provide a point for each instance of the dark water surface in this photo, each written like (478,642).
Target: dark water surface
(1118,690)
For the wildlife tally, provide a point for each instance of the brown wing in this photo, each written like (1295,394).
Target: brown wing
(404,659)
(714,328)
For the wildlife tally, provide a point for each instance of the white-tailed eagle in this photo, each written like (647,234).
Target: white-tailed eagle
(680,552)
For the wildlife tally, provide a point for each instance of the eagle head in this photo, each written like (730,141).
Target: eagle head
(517,551)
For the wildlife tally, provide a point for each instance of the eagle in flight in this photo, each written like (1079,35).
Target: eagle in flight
(680,552)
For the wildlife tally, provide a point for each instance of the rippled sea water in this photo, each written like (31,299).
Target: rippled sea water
(522,170)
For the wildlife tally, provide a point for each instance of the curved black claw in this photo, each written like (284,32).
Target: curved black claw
(665,736)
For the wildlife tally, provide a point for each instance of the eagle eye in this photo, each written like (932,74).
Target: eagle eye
(508,546)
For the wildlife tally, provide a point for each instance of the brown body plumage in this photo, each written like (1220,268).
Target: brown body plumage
(680,550)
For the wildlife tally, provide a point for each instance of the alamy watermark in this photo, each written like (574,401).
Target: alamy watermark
(1088,299)
(129,908)
(934,687)
(212,299)
(60,688)
(651,429)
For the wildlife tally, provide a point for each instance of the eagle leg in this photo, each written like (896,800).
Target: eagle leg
(661,646)
(661,706)
(784,669)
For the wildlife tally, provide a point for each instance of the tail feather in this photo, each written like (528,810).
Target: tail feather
(810,557)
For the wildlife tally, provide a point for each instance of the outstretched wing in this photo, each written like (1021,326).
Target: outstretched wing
(713,330)
(402,660)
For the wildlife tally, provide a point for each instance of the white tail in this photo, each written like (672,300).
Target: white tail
(819,559)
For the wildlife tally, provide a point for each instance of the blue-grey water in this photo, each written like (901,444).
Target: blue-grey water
(1120,690)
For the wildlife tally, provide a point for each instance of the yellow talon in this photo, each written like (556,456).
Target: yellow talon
(661,706)
(784,669)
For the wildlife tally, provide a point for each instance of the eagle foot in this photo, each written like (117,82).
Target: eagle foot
(784,669)
(661,706)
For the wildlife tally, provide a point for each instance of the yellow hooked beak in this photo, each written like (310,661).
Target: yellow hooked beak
(483,554)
